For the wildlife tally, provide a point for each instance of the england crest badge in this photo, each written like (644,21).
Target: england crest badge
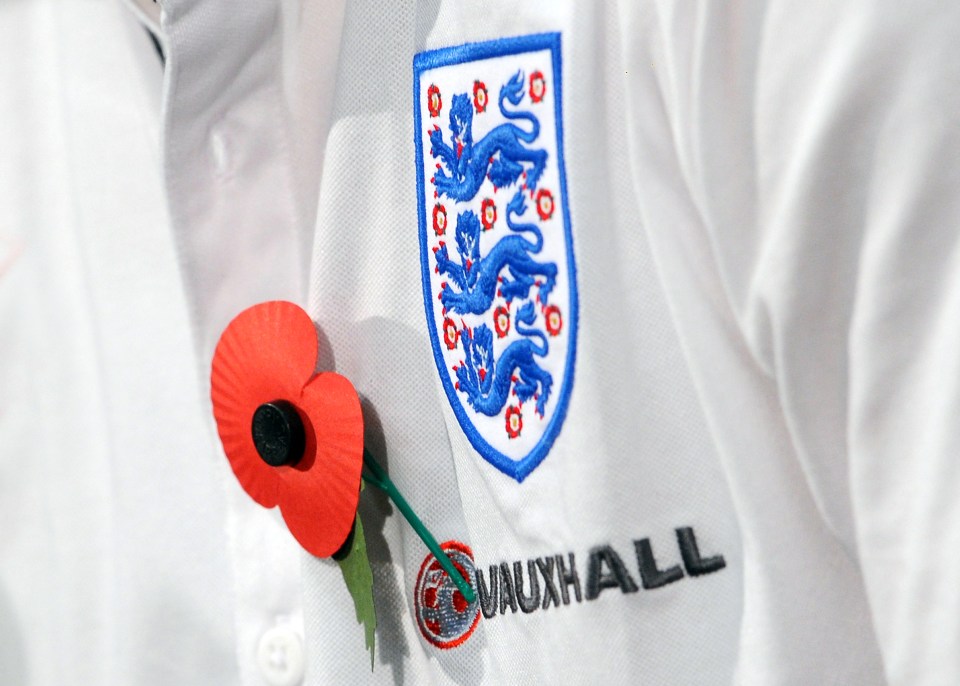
(496,249)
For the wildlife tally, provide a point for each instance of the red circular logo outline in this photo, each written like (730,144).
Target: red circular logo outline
(444,645)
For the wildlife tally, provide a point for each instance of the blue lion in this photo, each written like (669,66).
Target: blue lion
(501,151)
(487,383)
(478,278)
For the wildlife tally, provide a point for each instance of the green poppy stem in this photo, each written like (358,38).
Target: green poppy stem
(374,474)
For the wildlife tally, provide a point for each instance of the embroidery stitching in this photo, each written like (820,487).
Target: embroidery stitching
(444,616)
(545,565)
(690,552)
(650,575)
(599,580)
(528,603)
(523,258)
(606,569)
(534,584)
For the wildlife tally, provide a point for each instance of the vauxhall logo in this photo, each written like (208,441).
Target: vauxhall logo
(504,586)
(446,619)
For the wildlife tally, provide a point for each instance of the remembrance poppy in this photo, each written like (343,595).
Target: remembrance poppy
(293,438)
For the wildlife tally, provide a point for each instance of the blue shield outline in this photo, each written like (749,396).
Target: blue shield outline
(470,52)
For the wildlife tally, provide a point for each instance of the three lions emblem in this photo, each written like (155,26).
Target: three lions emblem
(496,249)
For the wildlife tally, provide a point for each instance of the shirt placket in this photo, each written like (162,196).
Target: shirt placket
(230,197)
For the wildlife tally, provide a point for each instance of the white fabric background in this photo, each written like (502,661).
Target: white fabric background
(764,200)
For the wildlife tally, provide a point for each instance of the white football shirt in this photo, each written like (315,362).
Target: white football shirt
(703,429)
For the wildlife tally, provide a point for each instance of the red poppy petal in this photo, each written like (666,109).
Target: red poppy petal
(320,494)
(266,353)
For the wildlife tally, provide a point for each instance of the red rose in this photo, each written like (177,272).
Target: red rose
(501,321)
(514,421)
(434,101)
(450,333)
(538,87)
(479,96)
(439,219)
(554,319)
(544,204)
(488,213)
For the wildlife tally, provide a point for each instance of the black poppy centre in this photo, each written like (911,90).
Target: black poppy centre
(278,433)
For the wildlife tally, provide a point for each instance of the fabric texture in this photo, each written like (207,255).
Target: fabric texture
(754,480)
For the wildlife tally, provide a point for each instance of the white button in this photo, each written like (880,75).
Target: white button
(280,657)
